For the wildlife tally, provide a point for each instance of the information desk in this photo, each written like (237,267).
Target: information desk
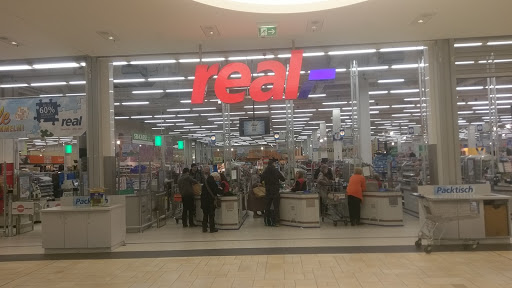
(230,216)
(479,215)
(300,210)
(69,229)
(382,208)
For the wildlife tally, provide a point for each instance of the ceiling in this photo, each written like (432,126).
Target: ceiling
(58,28)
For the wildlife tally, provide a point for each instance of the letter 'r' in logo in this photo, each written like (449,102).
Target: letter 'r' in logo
(276,77)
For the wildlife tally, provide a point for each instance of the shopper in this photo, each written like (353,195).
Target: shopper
(355,189)
(322,185)
(209,193)
(300,182)
(328,174)
(185,186)
(271,177)
(254,203)
(196,173)
(224,184)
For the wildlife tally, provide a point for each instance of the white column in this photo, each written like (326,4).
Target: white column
(336,126)
(7,150)
(314,140)
(100,124)
(443,129)
(187,152)
(363,118)
(323,140)
(471,136)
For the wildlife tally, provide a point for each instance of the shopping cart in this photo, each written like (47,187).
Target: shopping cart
(441,211)
(178,203)
(334,208)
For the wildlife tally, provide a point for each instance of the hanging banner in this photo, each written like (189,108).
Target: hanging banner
(43,117)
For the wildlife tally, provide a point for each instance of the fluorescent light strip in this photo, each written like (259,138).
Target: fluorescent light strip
(174,120)
(165,124)
(404,91)
(377,107)
(372,68)
(412,110)
(129,80)
(305,110)
(51,95)
(478,102)
(412,99)
(403,106)
(401,115)
(76,94)
(334,103)
(15,67)
(378,92)
(256,106)
(317,95)
(464,62)
(178,90)
(211,114)
(135,103)
(166,79)
(141,117)
(401,49)
(348,52)
(189,115)
(204,108)
(154,121)
(499,42)
(186,101)
(188,60)
(77,82)
(313,54)
(145,62)
(164,116)
(56,65)
(391,81)
(467,44)
(119,63)
(48,84)
(470,88)
(147,91)
(405,66)
(13,85)
(178,109)
(121,117)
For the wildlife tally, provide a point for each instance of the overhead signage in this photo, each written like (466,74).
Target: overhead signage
(142,139)
(274,75)
(454,190)
(43,117)
(267,31)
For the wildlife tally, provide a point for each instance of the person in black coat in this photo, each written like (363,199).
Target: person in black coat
(208,200)
(271,177)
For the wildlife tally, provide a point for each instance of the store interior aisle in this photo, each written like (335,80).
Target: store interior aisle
(438,270)
(253,234)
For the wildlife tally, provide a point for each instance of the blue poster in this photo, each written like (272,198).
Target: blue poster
(39,117)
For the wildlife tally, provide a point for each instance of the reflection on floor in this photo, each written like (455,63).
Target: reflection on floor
(253,234)
(415,270)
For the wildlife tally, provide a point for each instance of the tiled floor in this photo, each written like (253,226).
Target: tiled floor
(418,270)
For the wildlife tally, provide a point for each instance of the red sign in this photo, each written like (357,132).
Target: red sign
(20,208)
(224,83)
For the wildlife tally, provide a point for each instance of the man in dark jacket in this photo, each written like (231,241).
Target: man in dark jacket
(271,177)
(209,192)
(186,188)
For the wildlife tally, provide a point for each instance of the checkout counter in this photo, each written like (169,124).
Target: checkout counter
(299,209)
(382,208)
(230,216)
(77,227)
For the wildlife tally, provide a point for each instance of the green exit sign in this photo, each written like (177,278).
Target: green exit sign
(267,31)
(158,141)
(68,149)
(180,145)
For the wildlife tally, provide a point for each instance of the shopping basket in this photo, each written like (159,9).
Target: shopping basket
(441,211)
(179,207)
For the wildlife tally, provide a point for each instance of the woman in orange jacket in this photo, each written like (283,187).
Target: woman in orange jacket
(355,189)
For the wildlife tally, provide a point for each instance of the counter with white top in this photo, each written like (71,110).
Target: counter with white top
(478,214)
(300,210)
(382,208)
(231,214)
(70,229)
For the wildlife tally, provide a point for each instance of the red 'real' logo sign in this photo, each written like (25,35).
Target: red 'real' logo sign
(223,83)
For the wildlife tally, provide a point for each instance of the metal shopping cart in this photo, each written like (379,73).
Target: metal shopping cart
(334,207)
(441,211)
(178,203)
